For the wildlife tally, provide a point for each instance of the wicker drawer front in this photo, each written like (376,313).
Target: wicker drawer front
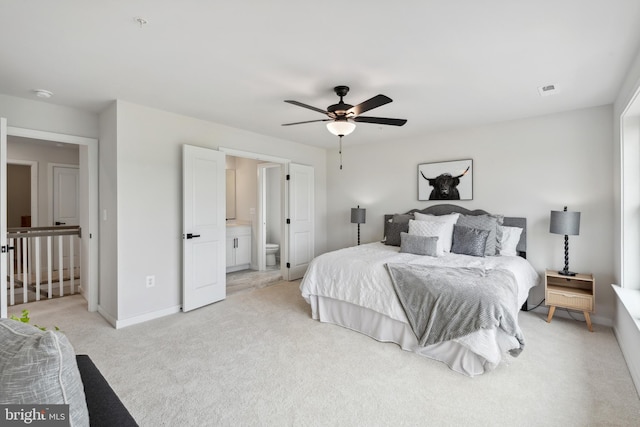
(566,299)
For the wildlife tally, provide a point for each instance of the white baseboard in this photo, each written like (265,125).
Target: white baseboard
(146,317)
(119,324)
(107,316)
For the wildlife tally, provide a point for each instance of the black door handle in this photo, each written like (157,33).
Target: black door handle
(192,236)
(60,223)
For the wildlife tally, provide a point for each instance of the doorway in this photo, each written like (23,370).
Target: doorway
(88,167)
(258,191)
(22,193)
(270,218)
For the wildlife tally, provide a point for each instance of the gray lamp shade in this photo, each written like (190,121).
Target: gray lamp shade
(358,215)
(563,222)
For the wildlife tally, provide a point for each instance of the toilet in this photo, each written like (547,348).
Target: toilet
(272,250)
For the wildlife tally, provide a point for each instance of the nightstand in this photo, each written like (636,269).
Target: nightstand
(572,292)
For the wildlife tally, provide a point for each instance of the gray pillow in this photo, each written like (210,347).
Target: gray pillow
(39,367)
(419,245)
(469,241)
(392,232)
(402,217)
(490,223)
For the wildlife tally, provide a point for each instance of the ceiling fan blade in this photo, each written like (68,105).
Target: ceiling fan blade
(300,104)
(369,104)
(380,120)
(308,121)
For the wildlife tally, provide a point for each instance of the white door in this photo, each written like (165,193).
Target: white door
(3,217)
(204,233)
(66,195)
(66,211)
(300,220)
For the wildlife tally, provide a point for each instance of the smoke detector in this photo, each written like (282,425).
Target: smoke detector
(547,90)
(43,93)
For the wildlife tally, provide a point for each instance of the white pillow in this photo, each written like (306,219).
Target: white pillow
(449,220)
(509,241)
(430,229)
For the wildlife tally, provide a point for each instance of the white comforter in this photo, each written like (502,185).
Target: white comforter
(357,275)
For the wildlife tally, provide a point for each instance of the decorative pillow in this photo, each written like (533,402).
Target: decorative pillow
(510,239)
(392,232)
(484,222)
(39,367)
(469,241)
(430,229)
(448,219)
(402,218)
(419,245)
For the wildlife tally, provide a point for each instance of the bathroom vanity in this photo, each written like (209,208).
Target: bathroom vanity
(238,247)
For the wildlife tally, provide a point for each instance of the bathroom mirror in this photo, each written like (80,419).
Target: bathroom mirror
(231,194)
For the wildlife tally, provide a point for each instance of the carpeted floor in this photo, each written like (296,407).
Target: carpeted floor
(257,358)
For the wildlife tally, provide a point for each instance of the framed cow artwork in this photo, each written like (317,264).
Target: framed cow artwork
(451,180)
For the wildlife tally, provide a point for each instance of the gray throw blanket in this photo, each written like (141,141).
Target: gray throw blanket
(443,303)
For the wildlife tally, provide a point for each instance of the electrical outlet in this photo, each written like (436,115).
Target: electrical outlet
(150,281)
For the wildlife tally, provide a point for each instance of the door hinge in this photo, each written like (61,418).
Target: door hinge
(5,249)
(288,220)
(288,265)
(288,177)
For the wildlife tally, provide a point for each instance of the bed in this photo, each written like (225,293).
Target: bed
(357,287)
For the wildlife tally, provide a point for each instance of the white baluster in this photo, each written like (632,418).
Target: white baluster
(60,266)
(49,269)
(71,272)
(36,266)
(25,270)
(12,279)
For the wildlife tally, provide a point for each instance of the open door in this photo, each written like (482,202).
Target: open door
(3,217)
(300,223)
(204,231)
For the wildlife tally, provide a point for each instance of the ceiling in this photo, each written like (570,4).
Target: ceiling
(446,64)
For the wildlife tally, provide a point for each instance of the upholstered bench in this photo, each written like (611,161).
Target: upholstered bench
(104,405)
(40,368)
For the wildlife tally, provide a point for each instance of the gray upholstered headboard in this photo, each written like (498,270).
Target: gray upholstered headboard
(445,209)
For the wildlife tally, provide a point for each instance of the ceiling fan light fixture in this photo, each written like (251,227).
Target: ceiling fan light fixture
(341,127)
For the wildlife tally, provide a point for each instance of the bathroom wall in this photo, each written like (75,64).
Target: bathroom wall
(273,208)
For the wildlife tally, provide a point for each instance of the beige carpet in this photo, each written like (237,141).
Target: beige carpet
(258,358)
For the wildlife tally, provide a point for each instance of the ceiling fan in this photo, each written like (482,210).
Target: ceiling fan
(341,116)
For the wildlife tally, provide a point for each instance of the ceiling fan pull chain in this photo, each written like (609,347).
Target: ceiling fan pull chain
(340,151)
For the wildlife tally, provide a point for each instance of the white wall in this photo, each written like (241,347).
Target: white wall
(273,212)
(148,164)
(46,116)
(246,190)
(521,168)
(108,207)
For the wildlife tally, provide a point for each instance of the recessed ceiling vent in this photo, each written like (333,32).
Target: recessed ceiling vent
(548,90)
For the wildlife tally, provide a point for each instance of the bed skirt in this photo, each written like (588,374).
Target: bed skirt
(471,355)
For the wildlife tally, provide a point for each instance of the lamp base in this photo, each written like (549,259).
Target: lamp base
(566,273)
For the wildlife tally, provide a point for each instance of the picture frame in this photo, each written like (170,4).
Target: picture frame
(449,180)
